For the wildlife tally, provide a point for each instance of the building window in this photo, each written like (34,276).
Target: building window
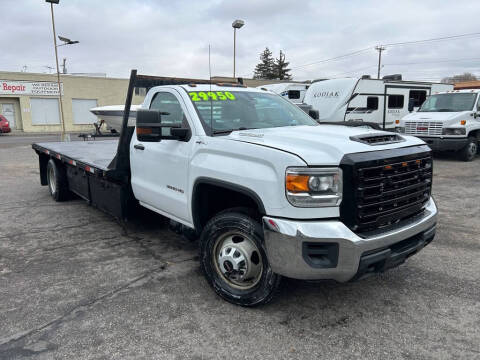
(81,111)
(44,111)
(418,97)
(372,103)
(395,101)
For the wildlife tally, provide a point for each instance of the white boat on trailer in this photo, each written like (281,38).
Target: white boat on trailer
(112,115)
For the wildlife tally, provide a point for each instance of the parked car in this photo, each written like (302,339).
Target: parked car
(4,125)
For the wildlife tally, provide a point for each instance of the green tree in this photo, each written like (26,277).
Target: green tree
(281,68)
(265,68)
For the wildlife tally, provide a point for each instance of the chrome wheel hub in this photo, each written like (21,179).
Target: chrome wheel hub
(238,260)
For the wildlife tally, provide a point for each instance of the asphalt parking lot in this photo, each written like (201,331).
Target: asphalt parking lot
(76,284)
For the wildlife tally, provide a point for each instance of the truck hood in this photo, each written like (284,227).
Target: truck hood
(437,116)
(318,145)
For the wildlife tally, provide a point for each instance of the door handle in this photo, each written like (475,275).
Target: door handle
(139,146)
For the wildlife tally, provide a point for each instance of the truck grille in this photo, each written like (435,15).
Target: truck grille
(423,128)
(386,190)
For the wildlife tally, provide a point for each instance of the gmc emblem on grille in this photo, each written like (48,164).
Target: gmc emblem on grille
(421,128)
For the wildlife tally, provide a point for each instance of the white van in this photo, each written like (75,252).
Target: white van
(447,121)
(295,92)
(380,101)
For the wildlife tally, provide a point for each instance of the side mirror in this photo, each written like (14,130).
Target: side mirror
(149,125)
(411,104)
(314,114)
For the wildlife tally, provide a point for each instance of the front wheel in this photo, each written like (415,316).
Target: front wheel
(234,260)
(470,150)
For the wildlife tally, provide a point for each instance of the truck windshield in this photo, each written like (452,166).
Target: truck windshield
(224,111)
(451,102)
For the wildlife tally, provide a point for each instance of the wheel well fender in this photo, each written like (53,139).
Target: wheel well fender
(210,196)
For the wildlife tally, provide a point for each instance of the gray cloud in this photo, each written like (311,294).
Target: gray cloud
(172,37)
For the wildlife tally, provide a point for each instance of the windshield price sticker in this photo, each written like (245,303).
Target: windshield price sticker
(211,95)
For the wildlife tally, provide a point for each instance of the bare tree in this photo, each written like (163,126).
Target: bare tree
(459,78)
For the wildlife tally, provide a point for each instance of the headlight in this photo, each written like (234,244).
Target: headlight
(314,187)
(453,131)
(400,129)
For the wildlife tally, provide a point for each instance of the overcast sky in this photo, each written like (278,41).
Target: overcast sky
(171,38)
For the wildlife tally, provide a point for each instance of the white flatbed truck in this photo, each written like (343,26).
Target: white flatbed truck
(268,190)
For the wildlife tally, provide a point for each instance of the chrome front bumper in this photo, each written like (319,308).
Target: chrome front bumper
(287,240)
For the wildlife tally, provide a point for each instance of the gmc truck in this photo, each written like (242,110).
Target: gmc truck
(447,121)
(269,191)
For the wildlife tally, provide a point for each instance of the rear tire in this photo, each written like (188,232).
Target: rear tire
(57,181)
(470,150)
(234,259)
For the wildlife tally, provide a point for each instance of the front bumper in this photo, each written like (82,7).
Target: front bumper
(444,144)
(5,129)
(338,253)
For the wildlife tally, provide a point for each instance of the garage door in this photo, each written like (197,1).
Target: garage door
(44,111)
(81,111)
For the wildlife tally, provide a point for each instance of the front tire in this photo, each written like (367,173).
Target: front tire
(57,181)
(470,150)
(234,259)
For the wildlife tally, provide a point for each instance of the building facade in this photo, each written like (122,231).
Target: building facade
(30,102)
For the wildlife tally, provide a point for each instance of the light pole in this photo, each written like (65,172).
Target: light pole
(237,24)
(66,41)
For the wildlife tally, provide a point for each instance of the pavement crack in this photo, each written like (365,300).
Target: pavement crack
(55,229)
(7,343)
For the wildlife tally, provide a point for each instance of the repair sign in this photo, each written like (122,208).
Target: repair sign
(42,88)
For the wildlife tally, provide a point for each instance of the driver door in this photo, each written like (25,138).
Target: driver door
(160,169)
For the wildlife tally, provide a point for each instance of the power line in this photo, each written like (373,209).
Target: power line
(433,39)
(353,53)
(334,58)
(432,62)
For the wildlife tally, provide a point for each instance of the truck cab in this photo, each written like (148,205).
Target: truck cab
(447,121)
(268,191)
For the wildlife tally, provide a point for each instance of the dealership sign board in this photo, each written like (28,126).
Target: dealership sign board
(41,88)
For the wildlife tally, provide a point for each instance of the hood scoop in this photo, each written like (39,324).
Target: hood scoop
(378,139)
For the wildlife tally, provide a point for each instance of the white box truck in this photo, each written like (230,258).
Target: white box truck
(268,190)
(378,101)
(447,121)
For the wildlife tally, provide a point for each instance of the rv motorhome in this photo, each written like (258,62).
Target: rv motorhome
(295,92)
(380,101)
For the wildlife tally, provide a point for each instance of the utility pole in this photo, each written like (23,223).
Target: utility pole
(379,48)
(64,70)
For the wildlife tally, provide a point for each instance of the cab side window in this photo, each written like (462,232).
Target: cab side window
(168,103)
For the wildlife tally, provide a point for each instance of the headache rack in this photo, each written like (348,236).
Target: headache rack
(385,191)
(119,168)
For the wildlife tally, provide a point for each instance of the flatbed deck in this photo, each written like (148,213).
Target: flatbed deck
(96,154)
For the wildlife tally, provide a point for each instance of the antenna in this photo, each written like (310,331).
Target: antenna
(210,77)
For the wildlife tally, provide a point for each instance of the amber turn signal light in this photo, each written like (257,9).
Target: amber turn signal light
(297,183)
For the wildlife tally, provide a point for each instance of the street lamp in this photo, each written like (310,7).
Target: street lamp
(66,41)
(237,24)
